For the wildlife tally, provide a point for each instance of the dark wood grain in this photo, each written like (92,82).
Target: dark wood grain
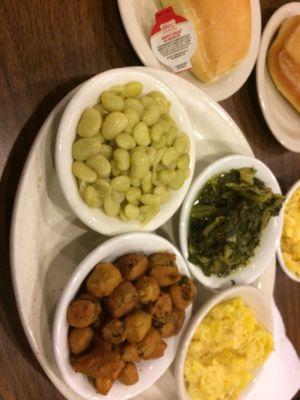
(46,49)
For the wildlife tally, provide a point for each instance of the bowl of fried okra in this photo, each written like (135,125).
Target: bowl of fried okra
(120,318)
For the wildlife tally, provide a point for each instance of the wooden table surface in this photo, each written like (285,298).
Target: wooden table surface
(46,49)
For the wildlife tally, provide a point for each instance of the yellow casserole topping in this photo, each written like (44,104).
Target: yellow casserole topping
(290,240)
(227,347)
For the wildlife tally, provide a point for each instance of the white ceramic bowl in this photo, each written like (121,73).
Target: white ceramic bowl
(279,252)
(261,309)
(86,96)
(270,236)
(282,118)
(149,371)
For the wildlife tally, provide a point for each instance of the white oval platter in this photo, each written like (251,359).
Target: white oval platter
(48,242)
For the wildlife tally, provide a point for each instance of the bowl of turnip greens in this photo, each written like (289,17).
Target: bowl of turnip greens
(231,222)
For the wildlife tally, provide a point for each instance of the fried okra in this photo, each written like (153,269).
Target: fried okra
(114,331)
(122,300)
(172,325)
(148,289)
(162,259)
(161,308)
(79,339)
(132,265)
(129,374)
(103,385)
(183,293)
(165,275)
(147,346)
(158,352)
(100,363)
(103,280)
(129,353)
(137,325)
(82,313)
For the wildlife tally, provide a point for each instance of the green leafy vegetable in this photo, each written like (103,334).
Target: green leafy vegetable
(227,219)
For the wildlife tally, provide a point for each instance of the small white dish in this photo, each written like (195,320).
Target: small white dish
(279,252)
(86,96)
(261,309)
(138,18)
(270,235)
(149,371)
(282,119)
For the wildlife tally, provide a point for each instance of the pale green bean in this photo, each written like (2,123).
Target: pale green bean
(114,124)
(91,197)
(156,132)
(136,104)
(132,211)
(183,162)
(166,176)
(151,115)
(133,118)
(114,169)
(162,192)
(147,101)
(125,141)
(161,101)
(122,158)
(170,156)
(90,123)
(160,143)
(147,183)
(133,195)
(118,196)
(111,207)
(150,199)
(103,187)
(133,89)
(106,151)
(120,183)
(118,89)
(178,181)
(147,213)
(85,148)
(171,135)
(81,171)
(100,165)
(100,109)
(140,164)
(141,134)
(182,144)
(111,101)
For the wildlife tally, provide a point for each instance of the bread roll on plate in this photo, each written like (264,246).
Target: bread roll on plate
(223,29)
(284,61)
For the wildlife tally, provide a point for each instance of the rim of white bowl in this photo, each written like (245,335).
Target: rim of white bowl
(96,219)
(279,254)
(198,318)
(74,283)
(214,282)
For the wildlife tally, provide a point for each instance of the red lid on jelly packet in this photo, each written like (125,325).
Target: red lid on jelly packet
(173,40)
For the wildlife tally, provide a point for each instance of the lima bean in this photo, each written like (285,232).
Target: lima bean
(162,192)
(169,156)
(183,162)
(147,101)
(150,199)
(166,176)
(147,213)
(90,123)
(85,148)
(133,195)
(81,171)
(133,118)
(118,196)
(136,104)
(141,134)
(161,101)
(125,141)
(120,183)
(140,164)
(103,187)
(182,144)
(156,132)
(133,89)
(178,181)
(114,124)
(100,165)
(111,101)
(106,150)
(122,158)
(147,183)
(132,211)
(151,115)
(91,197)
(111,207)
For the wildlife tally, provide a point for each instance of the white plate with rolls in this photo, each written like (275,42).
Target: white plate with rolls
(138,18)
(281,117)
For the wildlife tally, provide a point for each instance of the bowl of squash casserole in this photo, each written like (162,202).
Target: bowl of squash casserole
(226,346)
